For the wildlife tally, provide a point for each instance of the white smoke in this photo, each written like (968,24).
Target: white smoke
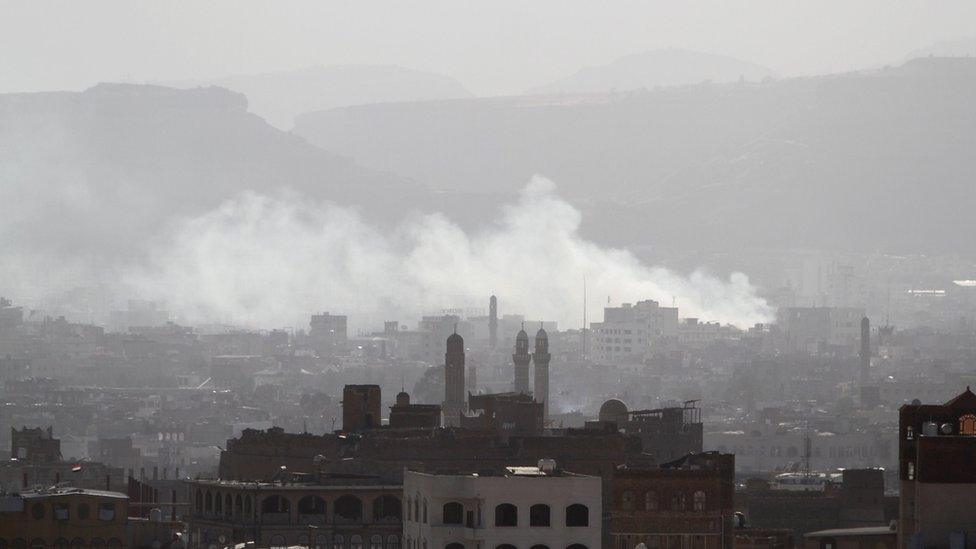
(270,261)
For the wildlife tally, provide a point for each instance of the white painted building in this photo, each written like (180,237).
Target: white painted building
(516,508)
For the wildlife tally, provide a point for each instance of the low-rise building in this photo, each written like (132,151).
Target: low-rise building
(71,517)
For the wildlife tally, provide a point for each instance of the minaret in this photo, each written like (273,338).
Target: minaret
(865,354)
(493,322)
(541,358)
(453,406)
(521,359)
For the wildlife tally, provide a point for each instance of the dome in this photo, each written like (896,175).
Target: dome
(541,334)
(402,399)
(612,410)
(522,336)
(455,343)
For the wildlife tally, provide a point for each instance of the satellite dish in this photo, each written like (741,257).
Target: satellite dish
(946,429)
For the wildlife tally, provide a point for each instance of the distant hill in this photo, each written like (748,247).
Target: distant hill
(671,67)
(279,96)
(101,172)
(962,47)
(880,160)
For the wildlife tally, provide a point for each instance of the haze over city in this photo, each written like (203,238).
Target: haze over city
(488,275)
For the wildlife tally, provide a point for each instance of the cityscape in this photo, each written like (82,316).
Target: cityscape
(663,276)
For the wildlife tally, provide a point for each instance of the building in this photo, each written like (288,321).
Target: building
(936,450)
(628,332)
(666,433)
(35,445)
(869,537)
(504,413)
(69,517)
(514,507)
(683,504)
(327,334)
(521,359)
(810,328)
(493,322)
(454,406)
(331,511)
(541,359)
(404,415)
(361,405)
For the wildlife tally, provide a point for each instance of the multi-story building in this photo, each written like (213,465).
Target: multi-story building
(336,512)
(327,334)
(666,433)
(70,517)
(628,332)
(807,328)
(684,504)
(937,446)
(516,507)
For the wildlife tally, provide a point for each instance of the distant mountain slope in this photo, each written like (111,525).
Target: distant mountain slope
(102,171)
(867,161)
(962,47)
(651,69)
(279,96)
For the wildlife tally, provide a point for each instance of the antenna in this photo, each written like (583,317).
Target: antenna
(583,331)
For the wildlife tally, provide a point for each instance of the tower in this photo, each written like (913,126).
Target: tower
(541,358)
(865,354)
(521,359)
(454,381)
(492,322)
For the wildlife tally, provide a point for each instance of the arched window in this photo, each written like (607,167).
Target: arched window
(60,543)
(84,511)
(77,543)
(506,514)
(454,545)
(37,543)
(698,501)
(627,500)
(311,507)
(348,509)
(338,542)
(386,508)
(677,501)
(376,542)
(356,542)
(650,501)
(577,514)
(218,504)
(19,543)
(199,501)
(228,505)
(416,509)
(576,546)
(540,547)
(275,504)
(967,425)
(392,542)
(97,542)
(277,541)
(321,541)
(425,510)
(539,515)
(504,546)
(114,542)
(247,507)
(238,506)
(208,502)
(453,513)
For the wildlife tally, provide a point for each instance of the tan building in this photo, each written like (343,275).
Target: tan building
(64,518)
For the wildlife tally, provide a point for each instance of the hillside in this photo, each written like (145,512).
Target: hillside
(863,161)
(671,67)
(279,96)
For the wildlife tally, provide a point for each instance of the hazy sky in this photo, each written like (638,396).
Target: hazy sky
(494,46)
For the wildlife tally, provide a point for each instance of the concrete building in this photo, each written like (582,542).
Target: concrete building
(404,415)
(35,445)
(666,433)
(70,517)
(516,507)
(504,413)
(327,334)
(809,328)
(361,405)
(684,504)
(937,445)
(628,332)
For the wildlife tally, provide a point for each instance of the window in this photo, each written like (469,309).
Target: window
(698,501)
(540,547)
(376,542)
(228,505)
(453,513)
(106,511)
(275,504)
(311,505)
(338,542)
(910,432)
(967,425)
(650,501)
(61,512)
(454,545)
(247,507)
(505,546)
(539,515)
(238,506)
(425,510)
(60,543)
(627,500)
(218,504)
(77,543)
(392,542)
(208,505)
(911,470)
(577,514)
(37,543)
(677,501)
(581,546)
(278,540)
(37,511)
(348,509)
(506,514)
(387,508)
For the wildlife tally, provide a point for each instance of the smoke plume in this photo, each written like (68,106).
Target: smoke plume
(270,261)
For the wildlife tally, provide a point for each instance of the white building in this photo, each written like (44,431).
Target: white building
(628,332)
(516,508)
